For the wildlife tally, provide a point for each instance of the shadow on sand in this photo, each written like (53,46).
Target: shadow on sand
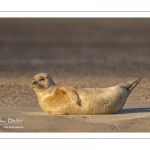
(134,110)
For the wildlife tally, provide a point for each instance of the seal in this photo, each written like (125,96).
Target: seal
(60,100)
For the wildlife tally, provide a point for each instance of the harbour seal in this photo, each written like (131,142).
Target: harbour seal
(59,100)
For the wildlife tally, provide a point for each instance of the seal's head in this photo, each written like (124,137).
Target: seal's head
(42,81)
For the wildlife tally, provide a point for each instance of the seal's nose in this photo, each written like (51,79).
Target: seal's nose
(34,82)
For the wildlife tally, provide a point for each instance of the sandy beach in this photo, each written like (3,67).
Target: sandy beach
(75,52)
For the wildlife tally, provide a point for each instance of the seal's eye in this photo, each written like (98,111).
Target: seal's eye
(41,79)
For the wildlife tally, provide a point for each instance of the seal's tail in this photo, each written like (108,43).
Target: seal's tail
(130,85)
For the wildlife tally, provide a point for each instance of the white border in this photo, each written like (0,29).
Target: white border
(69,144)
(74,14)
(76,135)
(74,8)
(74,5)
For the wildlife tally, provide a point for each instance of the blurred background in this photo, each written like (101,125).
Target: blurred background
(92,52)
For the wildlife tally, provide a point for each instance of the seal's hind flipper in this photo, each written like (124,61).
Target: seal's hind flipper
(130,85)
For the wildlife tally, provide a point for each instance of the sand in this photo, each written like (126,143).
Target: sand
(75,52)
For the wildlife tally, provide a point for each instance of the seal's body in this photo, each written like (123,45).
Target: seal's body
(57,99)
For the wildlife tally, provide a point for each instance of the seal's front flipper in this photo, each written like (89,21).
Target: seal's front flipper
(72,94)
